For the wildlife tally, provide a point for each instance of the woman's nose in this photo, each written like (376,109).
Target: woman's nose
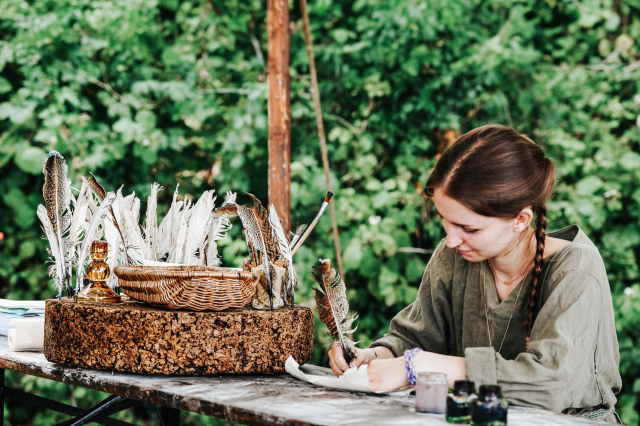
(453,237)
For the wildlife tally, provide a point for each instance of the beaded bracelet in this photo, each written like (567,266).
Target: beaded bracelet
(408,364)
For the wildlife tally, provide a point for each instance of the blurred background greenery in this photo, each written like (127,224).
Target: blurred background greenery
(168,91)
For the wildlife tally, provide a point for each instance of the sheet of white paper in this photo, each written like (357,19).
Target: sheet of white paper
(28,334)
(354,379)
(36,305)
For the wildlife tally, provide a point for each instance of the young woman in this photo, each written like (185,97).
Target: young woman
(502,302)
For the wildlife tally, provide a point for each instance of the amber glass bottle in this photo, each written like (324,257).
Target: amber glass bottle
(98,272)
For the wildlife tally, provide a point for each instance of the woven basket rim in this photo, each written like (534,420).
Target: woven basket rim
(182,271)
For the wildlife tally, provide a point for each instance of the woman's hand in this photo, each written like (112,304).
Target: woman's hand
(387,374)
(339,365)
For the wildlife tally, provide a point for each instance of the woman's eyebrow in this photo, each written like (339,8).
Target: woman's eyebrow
(456,224)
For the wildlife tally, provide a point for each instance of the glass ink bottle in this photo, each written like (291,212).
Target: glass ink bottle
(490,409)
(431,393)
(460,402)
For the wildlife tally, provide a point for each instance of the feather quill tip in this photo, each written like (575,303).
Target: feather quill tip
(328,197)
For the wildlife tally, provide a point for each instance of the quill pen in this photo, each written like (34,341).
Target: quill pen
(165,230)
(265,227)
(151,230)
(285,251)
(98,217)
(100,194)
(57,197)
(199,225)
(333,307)
(53,244)
(327,199)
(252,226)
(218,231)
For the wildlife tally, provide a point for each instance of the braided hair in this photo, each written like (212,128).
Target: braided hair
(497,172)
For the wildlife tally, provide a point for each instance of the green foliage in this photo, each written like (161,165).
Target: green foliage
(139,91)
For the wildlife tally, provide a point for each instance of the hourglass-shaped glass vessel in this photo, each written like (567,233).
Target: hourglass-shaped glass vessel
(98,272)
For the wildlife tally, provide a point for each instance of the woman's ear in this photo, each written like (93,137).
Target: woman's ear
(523,220)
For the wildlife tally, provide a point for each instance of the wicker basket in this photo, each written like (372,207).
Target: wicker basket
(196,288)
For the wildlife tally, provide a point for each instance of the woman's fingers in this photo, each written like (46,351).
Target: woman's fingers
(360,358)
(337,371)
(387,374)
(336,360)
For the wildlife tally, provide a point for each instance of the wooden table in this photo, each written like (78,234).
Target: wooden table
(248,399)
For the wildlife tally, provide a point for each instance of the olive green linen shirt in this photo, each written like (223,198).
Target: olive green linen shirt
(571,364)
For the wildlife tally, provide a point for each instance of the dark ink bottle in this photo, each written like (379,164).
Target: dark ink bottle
(460,402)
(490,409)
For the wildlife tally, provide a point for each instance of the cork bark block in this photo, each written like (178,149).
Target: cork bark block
(137,338)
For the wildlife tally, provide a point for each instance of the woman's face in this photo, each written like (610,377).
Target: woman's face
(476,237)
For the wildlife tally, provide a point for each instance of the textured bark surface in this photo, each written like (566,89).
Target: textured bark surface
(136,338)
(279,110)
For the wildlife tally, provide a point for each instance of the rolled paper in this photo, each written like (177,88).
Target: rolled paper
(28,334)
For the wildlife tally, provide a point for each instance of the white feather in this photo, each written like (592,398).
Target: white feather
(182,233)
(53,244)
(112,236)
(98,217)
(284,249)
(218,231)
(151,230)
(199,224)
(135,243)
(165,231)
(80,213)
(230,198)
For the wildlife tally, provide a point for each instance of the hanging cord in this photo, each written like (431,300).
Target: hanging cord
(321,137)
(486,308)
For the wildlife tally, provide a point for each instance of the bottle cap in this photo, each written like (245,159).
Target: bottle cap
(488,392)
(464,387)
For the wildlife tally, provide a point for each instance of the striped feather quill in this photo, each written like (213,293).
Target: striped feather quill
(99,192)
(285,252)
(252,226)
(57,197)
(333,307)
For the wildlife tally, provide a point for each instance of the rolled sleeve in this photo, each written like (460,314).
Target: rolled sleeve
(480,364)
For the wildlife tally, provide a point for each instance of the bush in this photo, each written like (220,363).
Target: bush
(139,91)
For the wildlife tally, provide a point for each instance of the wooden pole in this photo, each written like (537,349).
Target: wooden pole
(279,109)
(321,136)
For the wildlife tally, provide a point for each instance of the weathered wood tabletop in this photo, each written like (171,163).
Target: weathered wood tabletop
(256,399)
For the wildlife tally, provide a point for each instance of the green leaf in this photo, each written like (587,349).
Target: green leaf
(353,255)
(6,54)
(5,86)
(589,185)
(127,127)
(30,159)
(630,161)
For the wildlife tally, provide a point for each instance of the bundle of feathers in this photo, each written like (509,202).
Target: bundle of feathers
(266,240)
(333,307)
(187,235)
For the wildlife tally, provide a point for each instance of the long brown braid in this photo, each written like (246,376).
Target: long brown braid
(541,226)
(497,172)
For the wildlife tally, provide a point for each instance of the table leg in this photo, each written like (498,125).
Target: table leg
(1,396)
(97,410)
(169,416)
